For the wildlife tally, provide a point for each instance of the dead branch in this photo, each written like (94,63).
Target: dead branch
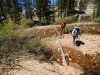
(63,55)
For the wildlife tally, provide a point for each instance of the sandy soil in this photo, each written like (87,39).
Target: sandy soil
(91,43)
(34,67)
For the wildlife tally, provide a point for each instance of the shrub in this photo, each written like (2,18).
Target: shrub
(28,23)
(14,46)
(6,30)
(42,22)
(9,28)
(59,21)
(70,19)
(14,42)
(68,29)
(97,19)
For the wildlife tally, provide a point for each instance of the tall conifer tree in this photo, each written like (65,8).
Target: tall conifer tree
(2,11)
(43,9)
(28,9)
(66,6)
(96,8)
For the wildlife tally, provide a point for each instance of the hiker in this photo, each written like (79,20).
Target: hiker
(75,33)
(63,25)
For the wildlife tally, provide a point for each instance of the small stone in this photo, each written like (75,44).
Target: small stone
(70,59)
(58,59)
(67,55)
(93,58)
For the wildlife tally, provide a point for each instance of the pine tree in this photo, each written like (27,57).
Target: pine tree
(7,6)
(38,8)
(62,6)
(2,11)
(83,5)
(70,7)
(66,6)
(96,9)
(42,8)
(28,9)
(12,9)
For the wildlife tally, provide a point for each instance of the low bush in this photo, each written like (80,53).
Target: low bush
(42,22)
(68,29)
(14,43)
(14,46)
(27,23)
(70,19)
(97,19)
(59,21)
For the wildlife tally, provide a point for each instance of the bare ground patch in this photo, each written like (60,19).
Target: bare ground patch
(86,55)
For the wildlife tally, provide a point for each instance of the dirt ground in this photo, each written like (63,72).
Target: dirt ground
(90,44)
(34,67)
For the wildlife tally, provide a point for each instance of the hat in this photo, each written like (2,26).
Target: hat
(76,27)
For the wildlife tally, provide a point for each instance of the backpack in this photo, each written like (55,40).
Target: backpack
(76,31)
(63,25)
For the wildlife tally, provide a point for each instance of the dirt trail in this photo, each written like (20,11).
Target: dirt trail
(89,44)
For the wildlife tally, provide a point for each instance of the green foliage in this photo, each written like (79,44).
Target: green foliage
(34,46)
(9,28)
(6,30)
(28,9)
(26,23)
(71,5)
(67,20)
(42,22)
(14,42)
(6,8)
(59,21)
(61,4)
(11,9)
(96,12)
(14,46)
(97,19)
(68,29)
(83,5)
(65,6)
(43,9)
(70,19)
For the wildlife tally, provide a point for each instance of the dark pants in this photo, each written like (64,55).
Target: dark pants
(74,39)
(62,30)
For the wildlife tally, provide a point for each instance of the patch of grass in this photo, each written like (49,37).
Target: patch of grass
(97,20)
(68,29)
(71,19)
(68,20)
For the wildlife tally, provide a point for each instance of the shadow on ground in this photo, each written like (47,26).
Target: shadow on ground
(79,43)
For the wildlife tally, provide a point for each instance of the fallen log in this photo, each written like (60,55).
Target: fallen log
(62,54)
